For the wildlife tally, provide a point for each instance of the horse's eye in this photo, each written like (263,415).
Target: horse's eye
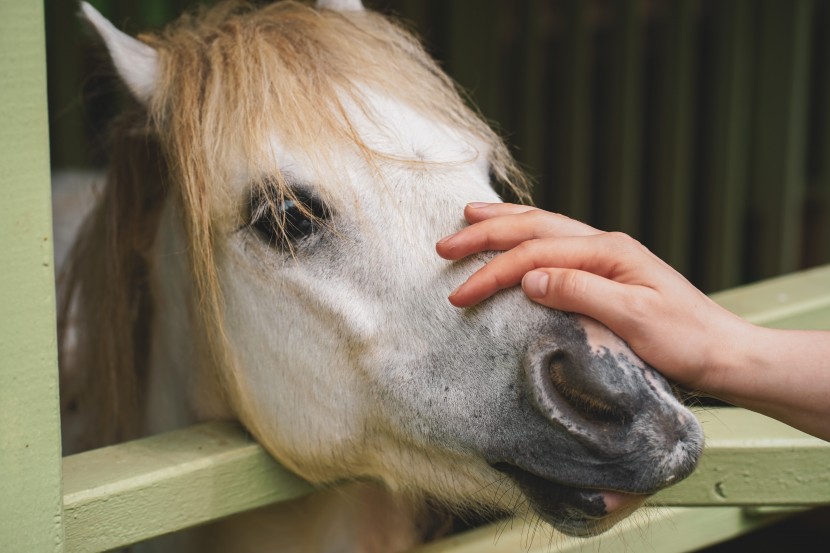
(287,220)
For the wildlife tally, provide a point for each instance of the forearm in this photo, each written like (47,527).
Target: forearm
(781,373)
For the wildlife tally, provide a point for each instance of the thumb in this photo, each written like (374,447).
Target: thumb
(579,292)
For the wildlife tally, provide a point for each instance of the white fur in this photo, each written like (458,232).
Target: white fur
(136,62)
(350,362)
(352,317)
(340,5)
(354,330)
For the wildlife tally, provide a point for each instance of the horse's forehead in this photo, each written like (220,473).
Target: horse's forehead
(399,136)
(391,127)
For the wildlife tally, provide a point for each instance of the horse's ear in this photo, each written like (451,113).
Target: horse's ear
(340,5)
(136,62)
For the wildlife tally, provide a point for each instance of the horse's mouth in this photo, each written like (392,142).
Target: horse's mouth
(572,510)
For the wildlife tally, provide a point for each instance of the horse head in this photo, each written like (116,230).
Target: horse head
(308,159)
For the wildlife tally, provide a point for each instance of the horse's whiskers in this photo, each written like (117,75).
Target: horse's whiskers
(264,250)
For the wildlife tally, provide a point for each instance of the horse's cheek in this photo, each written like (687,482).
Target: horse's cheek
(305,405)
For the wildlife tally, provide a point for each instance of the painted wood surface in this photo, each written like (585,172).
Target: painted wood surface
(651,530)
(30,477)
(146,488)
(230,473)
(127,493)
(783,302)
(752,460)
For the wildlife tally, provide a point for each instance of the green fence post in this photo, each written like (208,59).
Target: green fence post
(30,451)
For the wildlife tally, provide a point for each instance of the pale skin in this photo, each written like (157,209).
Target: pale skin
(564,264)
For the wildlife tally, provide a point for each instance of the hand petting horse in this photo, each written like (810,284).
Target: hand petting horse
(263,249)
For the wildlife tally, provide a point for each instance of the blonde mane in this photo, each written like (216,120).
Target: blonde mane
(229,76)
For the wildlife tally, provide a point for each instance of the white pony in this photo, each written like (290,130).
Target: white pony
(263,249)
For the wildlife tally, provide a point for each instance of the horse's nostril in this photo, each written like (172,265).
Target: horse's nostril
(572,385)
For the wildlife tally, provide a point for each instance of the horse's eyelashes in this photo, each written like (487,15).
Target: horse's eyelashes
(286,221)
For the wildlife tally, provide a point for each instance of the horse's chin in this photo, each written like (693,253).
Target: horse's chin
(572,510)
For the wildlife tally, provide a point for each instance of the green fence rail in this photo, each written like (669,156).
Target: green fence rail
(106,497)
(131,492)
(125,493)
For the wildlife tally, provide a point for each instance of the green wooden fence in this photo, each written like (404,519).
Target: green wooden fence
(30,448)
(107,498)
(122,494)
(750,463)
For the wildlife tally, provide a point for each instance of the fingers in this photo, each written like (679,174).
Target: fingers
(507,269)
(579,292)
(504,226)
(612,256)
(478,211)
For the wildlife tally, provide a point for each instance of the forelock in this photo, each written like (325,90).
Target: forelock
(232,74)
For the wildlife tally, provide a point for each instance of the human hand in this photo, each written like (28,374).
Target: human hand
(567,265)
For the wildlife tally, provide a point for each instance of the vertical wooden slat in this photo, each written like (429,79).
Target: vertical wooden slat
(671,152)
(816,248)
(155,13)
(619,199)
(532,106)
(484,47)
(572,112)
(65,83)
(507,69)
(417,12)
(30,455)
(721,217)
(778,144)
(473,51)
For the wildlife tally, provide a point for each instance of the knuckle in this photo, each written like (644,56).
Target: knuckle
(567,285)
(526,249)
(536,215)
(497,278)
(488,240)
(531,254)
(623,241)
(547,218)
(495,275)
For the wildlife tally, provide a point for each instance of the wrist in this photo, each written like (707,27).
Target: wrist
(729,359)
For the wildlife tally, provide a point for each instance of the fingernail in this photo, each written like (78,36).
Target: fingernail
(454,292)
(477,205)
(444,239)
(535,284)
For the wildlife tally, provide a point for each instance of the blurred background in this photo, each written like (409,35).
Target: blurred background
(701,127)
(698,126)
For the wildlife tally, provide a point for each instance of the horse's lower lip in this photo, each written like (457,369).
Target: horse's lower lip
(619,501)
(572,509)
